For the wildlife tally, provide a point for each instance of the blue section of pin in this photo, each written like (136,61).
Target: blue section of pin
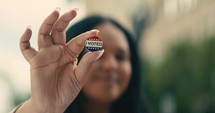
(93,48)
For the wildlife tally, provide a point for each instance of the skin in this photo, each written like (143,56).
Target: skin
(56,79)
(110,75)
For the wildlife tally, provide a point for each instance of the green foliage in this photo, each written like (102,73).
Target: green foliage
(187,73)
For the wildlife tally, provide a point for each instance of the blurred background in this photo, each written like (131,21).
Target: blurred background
(176,40)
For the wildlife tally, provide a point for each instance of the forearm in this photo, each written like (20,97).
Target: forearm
(25,107)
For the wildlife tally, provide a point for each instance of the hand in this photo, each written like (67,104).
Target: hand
(56,79)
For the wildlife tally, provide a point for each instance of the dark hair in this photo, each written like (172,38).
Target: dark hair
(130,101)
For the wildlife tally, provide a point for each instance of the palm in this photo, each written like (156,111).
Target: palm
(56,79)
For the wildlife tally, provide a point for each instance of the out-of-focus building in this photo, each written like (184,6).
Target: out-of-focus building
(172,21)
(121,10)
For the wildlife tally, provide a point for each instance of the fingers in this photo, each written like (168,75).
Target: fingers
(44,38)
(25,46)
(58,34)
(85,64)
(77,44)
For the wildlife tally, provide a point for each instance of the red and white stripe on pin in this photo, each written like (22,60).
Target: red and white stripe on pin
(94,43)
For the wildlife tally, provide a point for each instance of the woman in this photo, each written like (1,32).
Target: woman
(112,82)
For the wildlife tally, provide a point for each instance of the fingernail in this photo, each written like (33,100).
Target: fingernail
(100,54)
(96,30)
(76,9)
(58,9)
(29,27)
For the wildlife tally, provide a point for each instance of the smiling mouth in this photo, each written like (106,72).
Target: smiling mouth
(110,79)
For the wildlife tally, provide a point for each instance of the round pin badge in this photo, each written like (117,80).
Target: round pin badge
(94,43)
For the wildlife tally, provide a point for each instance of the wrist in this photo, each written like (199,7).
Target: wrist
(31,107)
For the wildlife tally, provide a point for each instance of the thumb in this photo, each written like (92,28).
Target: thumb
(85,64)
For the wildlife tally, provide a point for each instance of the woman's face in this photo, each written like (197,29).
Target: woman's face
(109,76)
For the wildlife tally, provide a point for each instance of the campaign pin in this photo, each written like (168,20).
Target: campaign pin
(94,43)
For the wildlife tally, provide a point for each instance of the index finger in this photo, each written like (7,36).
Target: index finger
(44,38)
(58,34)
(77,44)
